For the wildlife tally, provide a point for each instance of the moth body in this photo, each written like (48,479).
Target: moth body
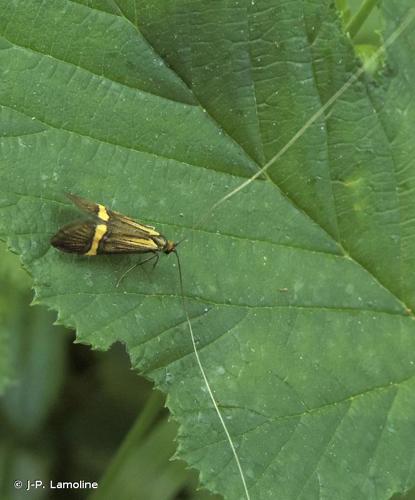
(108,232)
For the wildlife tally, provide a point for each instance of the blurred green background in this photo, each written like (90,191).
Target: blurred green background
(68,413)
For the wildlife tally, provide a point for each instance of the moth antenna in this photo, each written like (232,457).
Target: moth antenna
(206,381)
(180,241)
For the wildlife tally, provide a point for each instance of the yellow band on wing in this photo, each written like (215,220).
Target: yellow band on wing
(100,230)
(147,229)
(141,243)
(102,213)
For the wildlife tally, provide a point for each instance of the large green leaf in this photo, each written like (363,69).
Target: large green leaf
(300,288)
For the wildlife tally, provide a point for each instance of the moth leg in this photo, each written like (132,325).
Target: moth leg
(124,274)
(157,259)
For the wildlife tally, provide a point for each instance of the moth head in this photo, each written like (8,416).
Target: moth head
(170,246)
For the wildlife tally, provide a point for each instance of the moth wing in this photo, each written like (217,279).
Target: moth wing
(121,242)
(84,204)
(75,237)
(115,219)
(129,225)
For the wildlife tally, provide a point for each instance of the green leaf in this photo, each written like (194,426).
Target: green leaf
(5,369)
(300,288)
(30,349)
(37,350)
(15,284)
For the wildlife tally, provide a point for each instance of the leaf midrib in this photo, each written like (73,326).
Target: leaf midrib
(211,302)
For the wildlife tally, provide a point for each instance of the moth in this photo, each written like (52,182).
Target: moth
(109,232)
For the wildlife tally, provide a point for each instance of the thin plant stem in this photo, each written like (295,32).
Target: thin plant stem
(357,21)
